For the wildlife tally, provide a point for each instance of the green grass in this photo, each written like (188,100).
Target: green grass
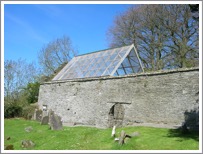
(88,138)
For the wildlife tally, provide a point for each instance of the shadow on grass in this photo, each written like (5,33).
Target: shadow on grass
(190,126)
(183,135)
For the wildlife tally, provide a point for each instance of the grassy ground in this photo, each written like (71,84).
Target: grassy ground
(88,138)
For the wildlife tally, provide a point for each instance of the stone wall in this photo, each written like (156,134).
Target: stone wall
(158,98)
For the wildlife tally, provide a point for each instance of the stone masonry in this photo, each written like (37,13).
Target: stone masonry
(159,98)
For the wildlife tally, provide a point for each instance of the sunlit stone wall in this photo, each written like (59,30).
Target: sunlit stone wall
(158,98)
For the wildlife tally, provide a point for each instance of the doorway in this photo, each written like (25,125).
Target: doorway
(116,115)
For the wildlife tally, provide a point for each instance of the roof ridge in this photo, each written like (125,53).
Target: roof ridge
(101,50)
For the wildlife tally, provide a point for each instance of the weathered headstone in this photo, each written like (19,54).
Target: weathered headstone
(28,129)
(45,113)
(45,120)
(8,147)
(116,139)
(50,113)
(113,134)
(122,137)
(27,144)
(55,121)
(38,115)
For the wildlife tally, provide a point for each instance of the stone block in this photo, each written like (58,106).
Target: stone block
(38,115)
(55,121)
(45,120)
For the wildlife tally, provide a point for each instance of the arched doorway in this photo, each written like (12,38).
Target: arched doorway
(116,115)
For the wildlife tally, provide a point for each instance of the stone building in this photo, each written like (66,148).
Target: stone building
(109,88)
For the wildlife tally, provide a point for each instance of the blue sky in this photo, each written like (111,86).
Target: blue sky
(27,27)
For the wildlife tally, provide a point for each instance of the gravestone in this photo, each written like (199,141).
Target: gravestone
(45,113)
(38,115)
(50,113)
(28,129)
(27,144)
(45,120)
(113,134)
(122,137)
(55,121)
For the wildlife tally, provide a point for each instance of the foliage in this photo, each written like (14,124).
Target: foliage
(89,138)
(19,86)
(14,104)
(194,7)
(55,53)
(28,111)
(195,10)
(12,111)
(19,107)
(22,79)
(166,36)
(32,91)
(192,119)
(17,74)
(46,78)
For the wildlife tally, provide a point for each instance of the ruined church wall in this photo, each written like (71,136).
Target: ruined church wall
(159,98)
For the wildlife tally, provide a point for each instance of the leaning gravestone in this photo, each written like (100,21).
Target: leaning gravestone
(38,115)
(122,137)
(55,121)
(45,120)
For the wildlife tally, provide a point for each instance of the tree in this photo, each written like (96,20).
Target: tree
(55,54)
(166,36)
(17,74)
(32,91)
(194,8)
(184,36)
